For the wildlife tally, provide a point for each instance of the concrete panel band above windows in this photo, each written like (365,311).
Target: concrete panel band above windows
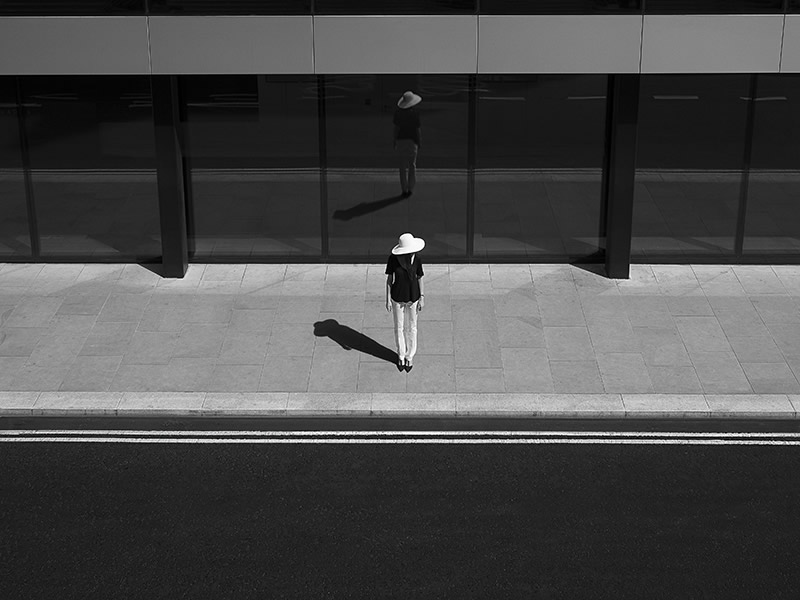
(711,44)
(790,57)
(458,44)
(407,44)
(74,45)
(559,44)
(240,44)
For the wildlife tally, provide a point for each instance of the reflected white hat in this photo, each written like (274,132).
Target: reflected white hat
(409,99)
(408,244)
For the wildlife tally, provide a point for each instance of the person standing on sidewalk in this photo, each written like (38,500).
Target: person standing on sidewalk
(407,134)
(405,296)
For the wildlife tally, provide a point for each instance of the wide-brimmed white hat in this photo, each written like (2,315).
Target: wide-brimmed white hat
(408,244)
(409,99)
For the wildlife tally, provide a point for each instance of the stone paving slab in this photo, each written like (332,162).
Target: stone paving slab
(306,404)
(672,340)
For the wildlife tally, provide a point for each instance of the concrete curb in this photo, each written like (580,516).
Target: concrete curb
(296,404)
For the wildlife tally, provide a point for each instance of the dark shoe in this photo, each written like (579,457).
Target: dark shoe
(408,367)
(400,366)
(405,194)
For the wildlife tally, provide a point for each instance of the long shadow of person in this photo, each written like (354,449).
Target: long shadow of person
(350,339)
(359,210)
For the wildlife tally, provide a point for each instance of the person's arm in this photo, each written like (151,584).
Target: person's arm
(421,302)
(394,136)
(419,137)
(389,293)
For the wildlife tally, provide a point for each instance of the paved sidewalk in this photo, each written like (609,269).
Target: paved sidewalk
(555,340)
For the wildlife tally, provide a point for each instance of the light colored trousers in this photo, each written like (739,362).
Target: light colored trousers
(405,328)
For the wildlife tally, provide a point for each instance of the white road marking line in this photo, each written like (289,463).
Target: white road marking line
(719,441)
(413,433)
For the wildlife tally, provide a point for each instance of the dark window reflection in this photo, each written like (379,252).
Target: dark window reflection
(14,236)
(393,7)
(72,7)
(253,148)
(699,7)
(92,159)
(559,7)
(539,157)
(230,7)
(366,210)
(772,224)
(690,153)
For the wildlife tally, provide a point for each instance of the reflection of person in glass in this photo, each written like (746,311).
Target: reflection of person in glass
(407,140)
(405,296)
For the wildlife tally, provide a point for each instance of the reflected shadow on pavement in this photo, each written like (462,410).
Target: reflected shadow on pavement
(350,339)
(364,208)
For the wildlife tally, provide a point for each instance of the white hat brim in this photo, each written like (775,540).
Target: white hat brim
(416,245)
(414,101)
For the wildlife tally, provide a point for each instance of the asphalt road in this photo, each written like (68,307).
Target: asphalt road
(397,520)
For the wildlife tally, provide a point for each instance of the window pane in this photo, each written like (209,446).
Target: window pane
(71,7)
(92,159)
(539,161)
(560,7)
(689,164)
(367,212)
(254,155)
(230,7)
(392,7)
(772,224)
(14,237)
(711,7)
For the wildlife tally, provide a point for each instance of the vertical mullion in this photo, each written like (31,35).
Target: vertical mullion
(323,166)
(621,176)
(745,182)
(608,149)
(471,150)
(171,193)
(30,202)
(185,144)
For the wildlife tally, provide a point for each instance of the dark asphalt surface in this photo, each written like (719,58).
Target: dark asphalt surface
(81,520)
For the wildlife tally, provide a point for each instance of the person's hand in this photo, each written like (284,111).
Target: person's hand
(388,306)
(421,303)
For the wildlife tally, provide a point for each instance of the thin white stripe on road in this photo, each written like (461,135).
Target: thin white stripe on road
(401,437)
(665,442)
(418,433)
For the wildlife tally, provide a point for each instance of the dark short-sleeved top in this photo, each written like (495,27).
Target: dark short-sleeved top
(407,122)
(405,285)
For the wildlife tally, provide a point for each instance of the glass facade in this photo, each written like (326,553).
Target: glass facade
(365,206)
(690,164)
(15,240)
(772,221)
(538,165)
(92,166)
(560,7)
(229,7)
(72,7)
(391,7)
(508,168)
(252,145)
(710,7)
